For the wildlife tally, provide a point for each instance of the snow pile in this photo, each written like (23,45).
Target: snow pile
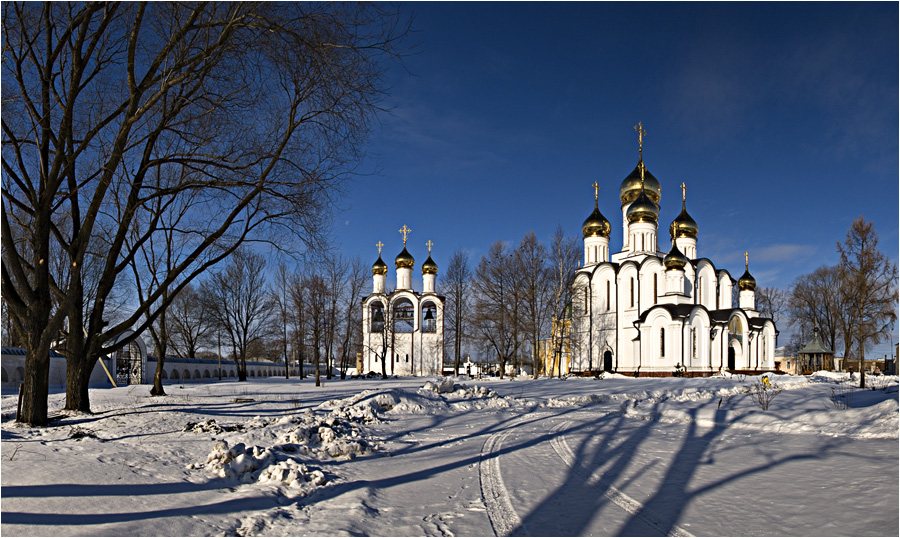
(369,404)
(332,436)
(210,426)
(243,457)
(436,396)
(259,464)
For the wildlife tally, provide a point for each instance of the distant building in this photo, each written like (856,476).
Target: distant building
(816,355)
(644,312)
(401,327)
(786,359)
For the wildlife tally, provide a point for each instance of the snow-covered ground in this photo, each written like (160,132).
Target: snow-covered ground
(459,457)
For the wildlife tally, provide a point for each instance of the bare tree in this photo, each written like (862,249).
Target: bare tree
(565,256)
(299,302)
(280,290)
(190,326)
(259,109)
(534,282)
(457,287)
(815,301)
(317,301)
(335,272)
(240,302)
(771,302)
(491,286)
(354,283)
(869,289)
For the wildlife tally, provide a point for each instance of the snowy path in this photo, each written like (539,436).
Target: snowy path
(545,458)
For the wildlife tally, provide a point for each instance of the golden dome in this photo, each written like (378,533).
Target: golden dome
(675,259)
(631,185)
(684,225)
(404,260)
(747,282)
(596,224)
(429,267)
(379,267)
(642,210)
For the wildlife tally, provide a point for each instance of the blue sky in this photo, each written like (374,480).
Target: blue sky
(781,118)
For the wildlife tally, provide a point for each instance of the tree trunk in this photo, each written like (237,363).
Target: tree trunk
(158,389)
(36,385)
(318,359)
(78,397)
(241,365)
(862,364)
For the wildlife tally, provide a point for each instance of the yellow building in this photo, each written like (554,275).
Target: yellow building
(555,353)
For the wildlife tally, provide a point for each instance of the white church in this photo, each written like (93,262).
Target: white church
(403,328)
(645,312)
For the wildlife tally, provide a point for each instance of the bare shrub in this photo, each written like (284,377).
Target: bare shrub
(763,392)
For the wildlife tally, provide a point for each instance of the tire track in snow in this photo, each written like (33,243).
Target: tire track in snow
(502,515)
(633,507)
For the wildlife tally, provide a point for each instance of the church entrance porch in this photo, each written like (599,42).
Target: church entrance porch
(607,361)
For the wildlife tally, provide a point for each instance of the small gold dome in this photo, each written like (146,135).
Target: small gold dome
(429,267)
(379,267)
(684,225)
(747,282)
(675,259)
(596,224)
(631,185)
(404,260)
(643,209)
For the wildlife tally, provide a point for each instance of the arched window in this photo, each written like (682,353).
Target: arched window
(608,303)
(429,317)
(655,289)
(694,343)
(404,316)
(700,290)
(662,342)
(632,293)
(376,317)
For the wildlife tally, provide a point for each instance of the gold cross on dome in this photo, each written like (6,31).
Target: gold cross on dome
(596,191)
(405,231)
(746,260)
(682,191)
(379,245)
(641,132)
(429,244)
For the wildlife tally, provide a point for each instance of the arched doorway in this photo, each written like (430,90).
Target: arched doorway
(129,365)
(607,361)
(735,343)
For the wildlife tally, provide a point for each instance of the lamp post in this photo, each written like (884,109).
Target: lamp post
(219,351)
